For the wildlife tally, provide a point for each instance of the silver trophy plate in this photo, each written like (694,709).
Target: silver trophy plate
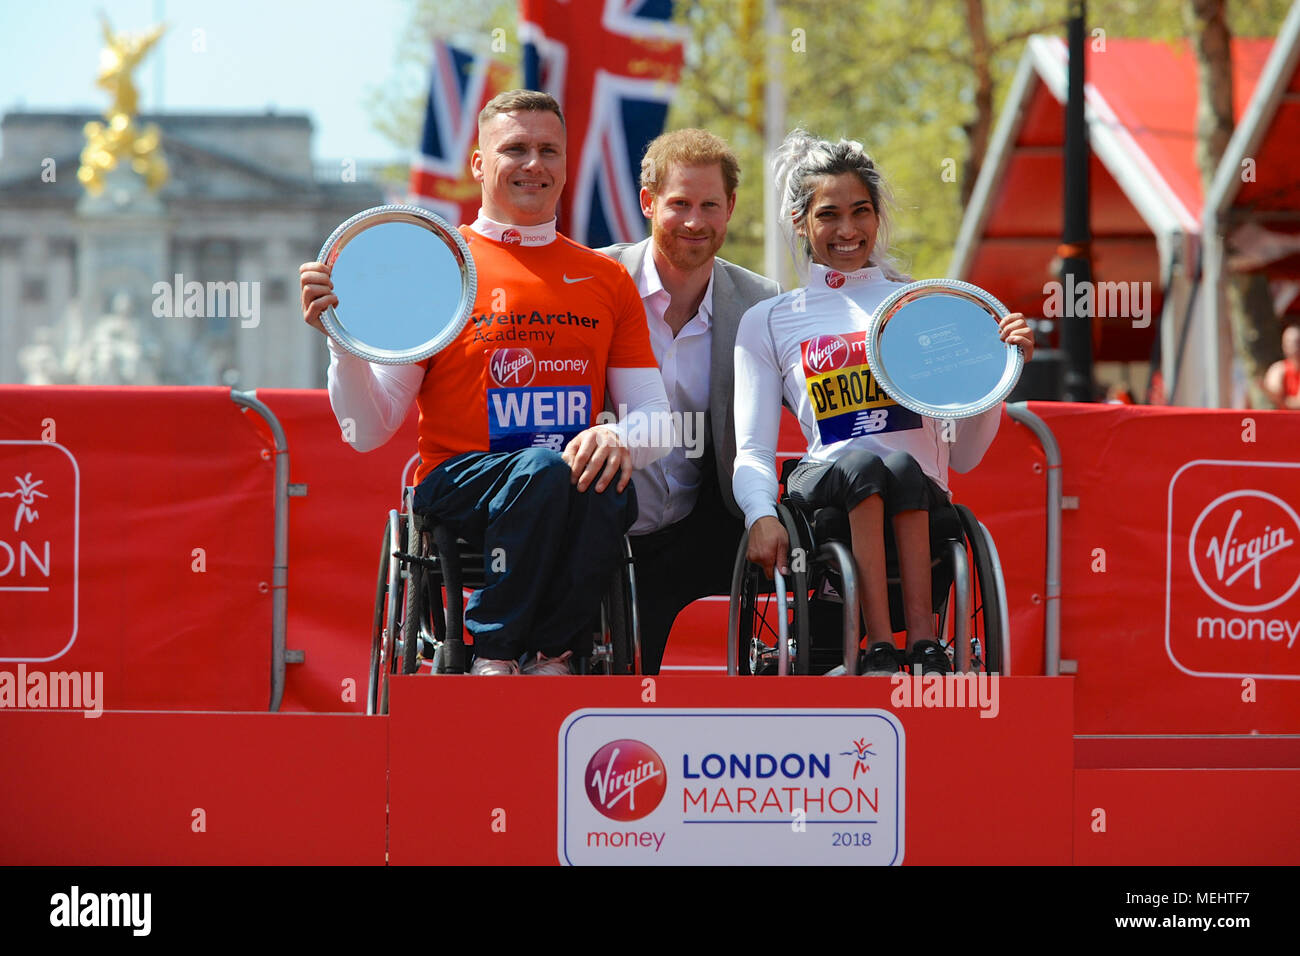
(405,281)
(934,347)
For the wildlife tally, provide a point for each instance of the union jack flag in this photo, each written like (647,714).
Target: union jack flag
(613,65)
(440,178)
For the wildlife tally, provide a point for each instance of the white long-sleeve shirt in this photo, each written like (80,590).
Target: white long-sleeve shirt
(374,399)
(667,490)
(808,348)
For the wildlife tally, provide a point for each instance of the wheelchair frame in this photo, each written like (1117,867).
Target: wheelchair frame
(413,623)
(976,604)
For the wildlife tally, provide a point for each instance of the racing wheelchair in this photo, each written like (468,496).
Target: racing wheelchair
(809,622)
(420,607)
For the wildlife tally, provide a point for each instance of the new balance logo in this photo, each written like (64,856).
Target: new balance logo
(870,421)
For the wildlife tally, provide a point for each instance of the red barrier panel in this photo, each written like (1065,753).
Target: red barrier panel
(334,534)
(1203,751)
(145,789)
(1162,608)
(276,789)
(136,540)
(1007,492)
(1175,623)
(1185,817)
(1112,620)
(977,790)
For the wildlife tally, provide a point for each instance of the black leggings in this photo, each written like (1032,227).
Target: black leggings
(857,475)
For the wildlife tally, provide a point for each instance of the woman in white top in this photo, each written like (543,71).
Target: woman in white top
(867,455)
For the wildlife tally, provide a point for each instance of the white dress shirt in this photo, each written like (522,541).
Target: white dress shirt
(667,489)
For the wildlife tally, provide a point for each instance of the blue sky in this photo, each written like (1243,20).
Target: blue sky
(320,58)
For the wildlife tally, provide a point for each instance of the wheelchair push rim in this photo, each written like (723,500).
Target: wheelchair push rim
(383,641)
(988,611)
(754,618)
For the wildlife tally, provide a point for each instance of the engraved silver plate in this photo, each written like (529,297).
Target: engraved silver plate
(405,281)
(934,347)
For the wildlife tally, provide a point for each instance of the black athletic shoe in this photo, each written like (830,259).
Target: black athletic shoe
(881,661)
(928,657)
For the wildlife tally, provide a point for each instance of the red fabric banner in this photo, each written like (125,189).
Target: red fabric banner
(148,514)
(1180,564)
(136,540)
(334,537)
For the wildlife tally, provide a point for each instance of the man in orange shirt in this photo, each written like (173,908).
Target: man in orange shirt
(509,452)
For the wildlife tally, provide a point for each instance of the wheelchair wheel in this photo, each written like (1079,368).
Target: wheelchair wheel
(387,620)
(377,658)
(620,637)
(616,647)
(987,616)
(755,610)
(415,605)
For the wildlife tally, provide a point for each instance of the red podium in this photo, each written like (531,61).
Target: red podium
(502,772)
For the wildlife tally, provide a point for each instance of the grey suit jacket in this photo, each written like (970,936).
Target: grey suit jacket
(735,289)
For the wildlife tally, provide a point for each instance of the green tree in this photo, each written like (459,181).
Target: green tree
(1208,26)
(918,86)
(1255,330)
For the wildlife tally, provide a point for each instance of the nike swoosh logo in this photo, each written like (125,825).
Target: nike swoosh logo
(579,279)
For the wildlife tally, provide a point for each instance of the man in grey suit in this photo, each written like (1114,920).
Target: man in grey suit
(688,525)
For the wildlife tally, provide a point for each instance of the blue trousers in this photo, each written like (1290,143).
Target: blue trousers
(550,550)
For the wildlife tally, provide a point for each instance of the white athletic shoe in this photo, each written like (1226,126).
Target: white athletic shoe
(490,668)
(542,664)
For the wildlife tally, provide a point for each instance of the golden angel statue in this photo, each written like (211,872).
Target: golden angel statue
(119,140)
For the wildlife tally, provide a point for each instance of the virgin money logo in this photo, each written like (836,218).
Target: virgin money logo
(1243,550)
(626,780)
(512,368)
(1232,578)
(511,237)
(826,353)
(834,279)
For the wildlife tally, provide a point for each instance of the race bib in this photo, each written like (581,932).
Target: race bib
(537,399)
(844,395)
